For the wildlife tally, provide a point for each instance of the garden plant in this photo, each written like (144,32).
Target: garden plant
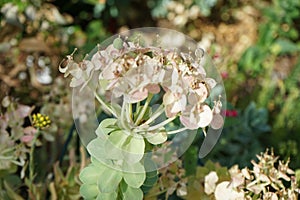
(201,104)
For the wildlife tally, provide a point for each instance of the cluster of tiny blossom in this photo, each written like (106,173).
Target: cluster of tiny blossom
(40,121)
(133,72)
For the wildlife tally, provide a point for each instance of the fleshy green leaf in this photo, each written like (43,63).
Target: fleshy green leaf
(134,149)
(90,174)
(109,180)
(100,163)
(134,180)
(96,149)
(150,181)
(150,166)
(108,122)
(157,138)
(105,127)
(89,191)
(151,174)
(132,193)
(146,189)
(107,196)
(134,174)
(114,145)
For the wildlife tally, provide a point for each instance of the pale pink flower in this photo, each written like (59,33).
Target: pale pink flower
(200,86)
(201,91)
(111,53)
(210,83)
(142,80)
(217,121)
(112,71)
(197,116)
(99,60)
(81,73)
(174,102)
(140,94)
(169,78)
(71,65)
(136,96)
(153,70)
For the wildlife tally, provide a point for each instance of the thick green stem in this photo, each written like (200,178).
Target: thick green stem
(177,131)
(129,113)
(162,124)
(104,104)
(155,115)
(138,105)
(145,106)
(123,120)
(157,126)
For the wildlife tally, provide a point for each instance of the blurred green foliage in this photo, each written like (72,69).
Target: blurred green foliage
(273,63)
(242,137)
(277,36)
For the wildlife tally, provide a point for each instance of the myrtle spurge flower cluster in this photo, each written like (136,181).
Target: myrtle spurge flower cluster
(40,121)
(135,73)
(151,92)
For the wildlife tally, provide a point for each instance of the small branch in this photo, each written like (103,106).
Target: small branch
(177,131)
(155,115)
(122,120)
(129,113)
(104,104)
(162,124)
(145,106)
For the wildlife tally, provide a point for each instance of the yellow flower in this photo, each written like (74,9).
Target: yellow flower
(40,121)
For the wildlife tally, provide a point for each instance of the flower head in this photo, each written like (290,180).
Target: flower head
(129,71)
(197,116)
(40,121)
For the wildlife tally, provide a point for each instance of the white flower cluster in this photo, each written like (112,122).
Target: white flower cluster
(270,178)
(136,73)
